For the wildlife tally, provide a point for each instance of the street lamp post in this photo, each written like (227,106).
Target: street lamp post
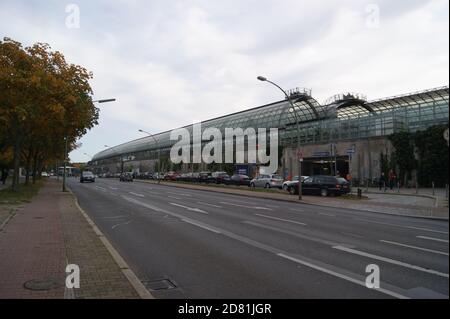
(159,152)
(263,79)
(65,144)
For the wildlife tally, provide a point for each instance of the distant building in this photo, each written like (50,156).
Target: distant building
(347,133)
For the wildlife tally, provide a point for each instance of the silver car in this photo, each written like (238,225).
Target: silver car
(267,181)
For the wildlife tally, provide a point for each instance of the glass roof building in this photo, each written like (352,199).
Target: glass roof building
(342,117)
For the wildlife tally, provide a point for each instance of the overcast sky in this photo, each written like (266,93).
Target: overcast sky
(172,63)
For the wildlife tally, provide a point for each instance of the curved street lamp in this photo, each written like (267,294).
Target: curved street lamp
(264,79)
(65,146)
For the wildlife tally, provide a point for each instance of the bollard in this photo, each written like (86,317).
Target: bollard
(398,187)
(446,191)
(359,193)
(432,185)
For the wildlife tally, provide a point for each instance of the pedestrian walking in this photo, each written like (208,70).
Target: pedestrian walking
(382,182)
(392,179)
(4,175)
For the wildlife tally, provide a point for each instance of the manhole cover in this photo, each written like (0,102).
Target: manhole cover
(161,284)
(44,284)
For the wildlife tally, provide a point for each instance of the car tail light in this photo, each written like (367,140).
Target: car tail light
(338,186)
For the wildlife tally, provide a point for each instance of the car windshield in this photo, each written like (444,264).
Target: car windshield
(341,180)
(276,177)
(88,174)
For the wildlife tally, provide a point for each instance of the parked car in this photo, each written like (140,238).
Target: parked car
(220,178)
(126,177)
(171,176)
(87,176)
(322,185)
(204,177)
(239,179)
(45,174)
(267,181)
(294,181)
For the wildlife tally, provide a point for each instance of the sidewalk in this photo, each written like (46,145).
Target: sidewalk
(46,235)
(380,205)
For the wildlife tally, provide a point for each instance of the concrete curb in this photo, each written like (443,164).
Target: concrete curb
(126,270)
(7,220)
(223,191)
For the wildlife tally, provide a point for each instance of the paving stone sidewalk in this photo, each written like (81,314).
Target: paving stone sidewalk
(46,235)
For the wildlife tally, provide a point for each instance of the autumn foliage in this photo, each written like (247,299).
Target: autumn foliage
(43,99)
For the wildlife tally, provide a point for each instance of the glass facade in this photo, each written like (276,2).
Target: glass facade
(346,116)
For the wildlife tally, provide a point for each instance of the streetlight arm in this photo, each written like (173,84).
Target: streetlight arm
(281,89)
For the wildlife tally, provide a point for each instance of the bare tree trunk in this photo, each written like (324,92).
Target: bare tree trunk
(16,162)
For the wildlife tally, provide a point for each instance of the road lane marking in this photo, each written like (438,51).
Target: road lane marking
(353,235)
(207,204)
(226,233)
(173,197)
(198,210)
(415,247)
(432,238)
(101,188)
(326,214)
(201,225)
(136,194)
(114,188)
(292,233)
(179,194)
(389,260)
(121,224)
(402,226)
(341,276)
(282,219)
(297,210)
(113,217)
(246,206)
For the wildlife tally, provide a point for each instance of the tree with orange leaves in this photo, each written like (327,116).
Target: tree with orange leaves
(44,100)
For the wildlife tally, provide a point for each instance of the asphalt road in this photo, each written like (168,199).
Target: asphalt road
(202,244)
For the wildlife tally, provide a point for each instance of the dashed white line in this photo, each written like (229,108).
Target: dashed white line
(101,188)
(341,276)
(402,226)
(432,238)
(201,226)
(198,210)
(326,214)
(391,261)
(415,247)
(136,194)
(173,197)
(246,206)
(207,204)
(179,194)
(121,224)
(281,219)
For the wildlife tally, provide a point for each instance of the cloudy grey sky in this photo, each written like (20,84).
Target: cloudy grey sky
(172,63)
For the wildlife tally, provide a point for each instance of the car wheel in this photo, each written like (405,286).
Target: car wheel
(291,190)
(285,187)
(252,185)
(267,186)
(324,192)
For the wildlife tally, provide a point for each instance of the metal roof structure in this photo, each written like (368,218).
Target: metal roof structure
(343,116)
